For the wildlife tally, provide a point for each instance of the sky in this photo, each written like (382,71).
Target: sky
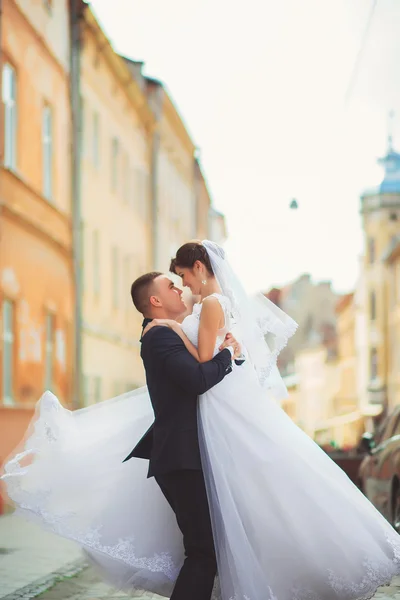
(262,89)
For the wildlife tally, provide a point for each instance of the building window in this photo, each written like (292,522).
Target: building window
(115,277)
(141,193)
(133,186)
(114,164)
(126,182)
(82,255)
(96,263)
(8,352)
(127,282)
(371,250)
(82,124)
(97,389)
(374,364)
(96,140)
(49,352)
(393,284)
(47,145)
(397,280)
(145,194)
(86,390)
(373,306)
(10,117)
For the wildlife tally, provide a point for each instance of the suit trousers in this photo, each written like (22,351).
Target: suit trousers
(186,493)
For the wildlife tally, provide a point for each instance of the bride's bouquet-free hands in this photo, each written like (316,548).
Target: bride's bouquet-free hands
(229,341)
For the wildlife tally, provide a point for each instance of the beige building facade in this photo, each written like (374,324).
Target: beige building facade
(175,210)
(344,425)
(143,194)
(318,384)
(117,127)
(312,305)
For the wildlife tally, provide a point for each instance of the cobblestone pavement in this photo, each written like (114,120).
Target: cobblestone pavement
(37,564)
(28,554)
(392,591)
(86,586)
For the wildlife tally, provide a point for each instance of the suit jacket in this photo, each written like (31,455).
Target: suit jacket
(175,380)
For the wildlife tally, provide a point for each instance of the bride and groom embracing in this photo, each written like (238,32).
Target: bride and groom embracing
(234,487)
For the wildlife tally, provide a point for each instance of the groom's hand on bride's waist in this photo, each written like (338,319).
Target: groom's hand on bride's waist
(233,345)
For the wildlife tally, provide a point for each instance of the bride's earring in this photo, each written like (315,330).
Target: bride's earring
(204,281)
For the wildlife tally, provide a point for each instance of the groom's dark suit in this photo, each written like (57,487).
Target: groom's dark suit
(175,380)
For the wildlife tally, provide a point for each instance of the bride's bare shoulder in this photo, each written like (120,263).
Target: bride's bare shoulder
(211,308)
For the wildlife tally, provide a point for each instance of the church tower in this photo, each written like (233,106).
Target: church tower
(380,211)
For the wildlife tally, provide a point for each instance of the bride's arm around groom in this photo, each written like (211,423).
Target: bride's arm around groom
(163,347)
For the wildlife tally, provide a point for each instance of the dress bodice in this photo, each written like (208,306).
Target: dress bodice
(191,323)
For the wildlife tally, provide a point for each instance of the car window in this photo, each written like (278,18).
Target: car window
(389,426)
(396,429)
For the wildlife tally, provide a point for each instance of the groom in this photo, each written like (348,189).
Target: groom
(175,380)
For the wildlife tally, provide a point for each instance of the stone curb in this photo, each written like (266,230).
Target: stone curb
(43,584)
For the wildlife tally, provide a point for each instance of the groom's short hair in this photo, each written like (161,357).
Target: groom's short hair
(141,290)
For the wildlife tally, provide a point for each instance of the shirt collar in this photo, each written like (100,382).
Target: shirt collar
(146,321)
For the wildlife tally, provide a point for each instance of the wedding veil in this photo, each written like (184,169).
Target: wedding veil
(262,327)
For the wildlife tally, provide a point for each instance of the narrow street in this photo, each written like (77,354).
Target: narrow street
(86,586)
(37,564)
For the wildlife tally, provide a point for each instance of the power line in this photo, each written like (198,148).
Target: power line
(360,52)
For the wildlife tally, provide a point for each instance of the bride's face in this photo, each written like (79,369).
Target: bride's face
(191,278)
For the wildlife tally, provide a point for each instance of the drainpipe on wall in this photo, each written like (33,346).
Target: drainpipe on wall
(76,8)
(1,162)
(156,142)
(1,25)
(197,193)
(1,79)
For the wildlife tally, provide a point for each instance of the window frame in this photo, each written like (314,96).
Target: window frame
(8,398)
(374,367)
(47,152)
(10,106)
(49,350)
(96,139)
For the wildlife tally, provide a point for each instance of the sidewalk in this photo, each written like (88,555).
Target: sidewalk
(30,556)
(391,592)
(34,562)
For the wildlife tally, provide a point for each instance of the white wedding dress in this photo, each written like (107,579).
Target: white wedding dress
(288,523)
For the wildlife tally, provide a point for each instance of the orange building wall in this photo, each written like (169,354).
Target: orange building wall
(35,234)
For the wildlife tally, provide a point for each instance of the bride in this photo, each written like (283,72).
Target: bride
(287,522)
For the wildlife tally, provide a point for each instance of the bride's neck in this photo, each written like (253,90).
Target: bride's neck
(211,287)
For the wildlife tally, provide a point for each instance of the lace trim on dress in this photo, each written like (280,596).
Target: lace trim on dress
(376,575)
(123,550)
(30,504)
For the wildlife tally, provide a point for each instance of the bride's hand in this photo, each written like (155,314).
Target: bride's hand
(163,322)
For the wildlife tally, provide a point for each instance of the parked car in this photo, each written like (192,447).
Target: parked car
(380,469)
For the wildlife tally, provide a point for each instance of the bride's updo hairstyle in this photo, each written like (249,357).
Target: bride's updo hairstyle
(187,256)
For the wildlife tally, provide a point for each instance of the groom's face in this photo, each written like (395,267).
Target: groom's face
(169,296)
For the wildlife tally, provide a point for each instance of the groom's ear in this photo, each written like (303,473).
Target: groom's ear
(155,301)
